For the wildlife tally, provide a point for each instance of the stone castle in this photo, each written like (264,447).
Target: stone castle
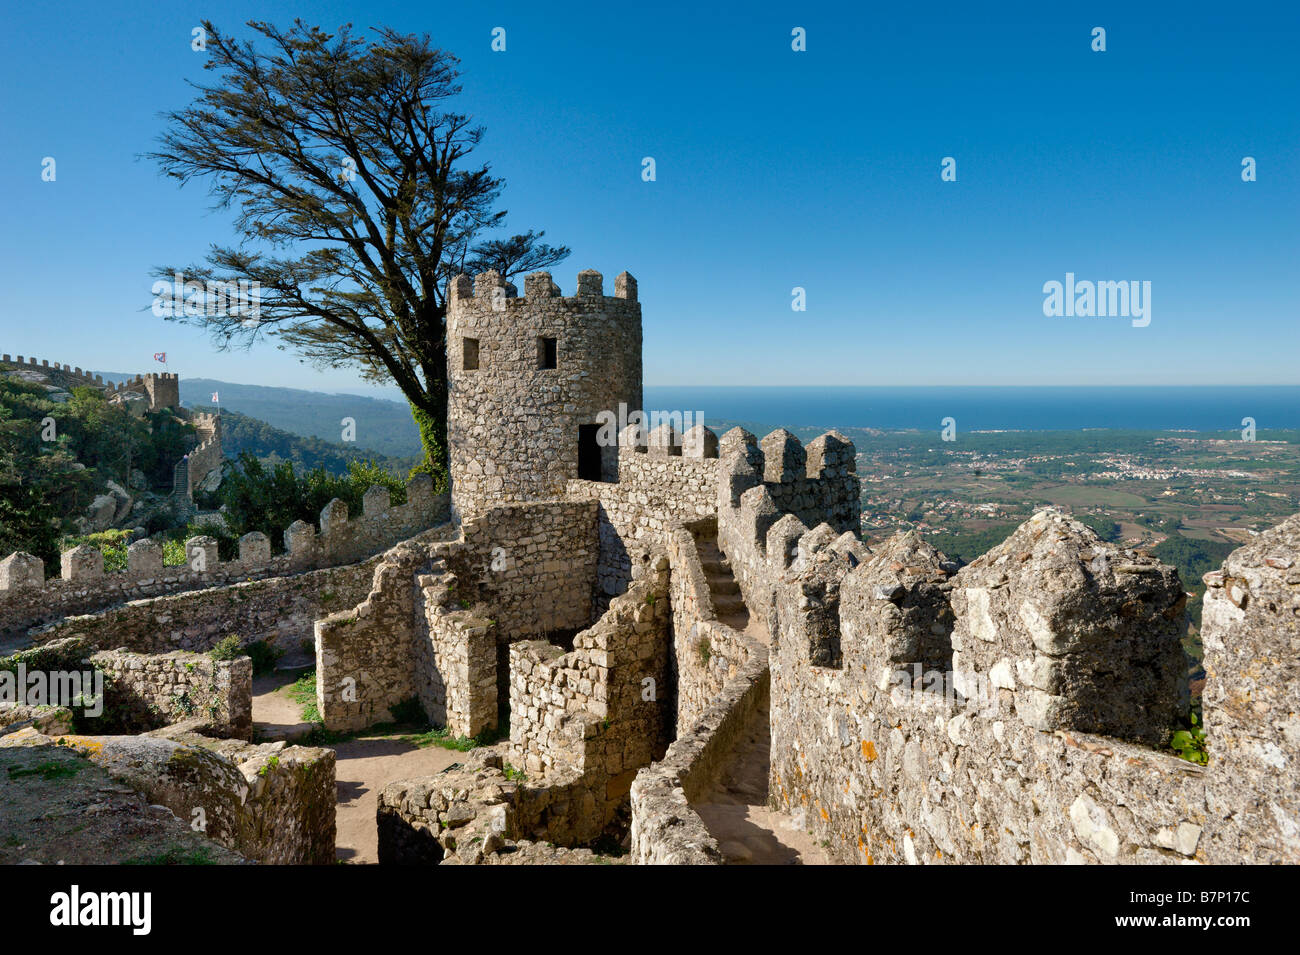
(150,392)
(636,610)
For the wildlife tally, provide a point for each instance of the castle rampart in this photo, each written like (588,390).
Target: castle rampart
(1017,750)
(771,494)
(29,600)
(1015,710)
(1251,633)
(654,492)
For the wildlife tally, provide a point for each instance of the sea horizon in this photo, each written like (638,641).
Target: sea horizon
(977,408)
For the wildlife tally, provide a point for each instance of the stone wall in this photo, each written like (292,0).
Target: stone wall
(476,814)
(1251,633)
(28,600)
(455,659)
(596,711)
(86,378)
(1036,742)
(280,610)
(721,692)
(706,653)
(207,454)
(656,490)
(666,830)
(365,655)
(533,564)
(764,497)
(513,424)
(770,495)
(148,691)
(144,691)
(582,724)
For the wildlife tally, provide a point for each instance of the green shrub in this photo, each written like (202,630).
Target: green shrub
(173,553)
(95,442)
(269,498)
(227,649)
(111,543)
(1188,741)
(263,654)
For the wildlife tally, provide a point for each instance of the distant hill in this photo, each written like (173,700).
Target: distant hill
(382,426)
(242,433)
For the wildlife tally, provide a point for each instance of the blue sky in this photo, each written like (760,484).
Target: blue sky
(775,169)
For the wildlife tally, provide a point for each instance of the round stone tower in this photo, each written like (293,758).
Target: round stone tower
(527,378)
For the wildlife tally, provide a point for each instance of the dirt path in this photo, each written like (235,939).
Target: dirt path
(737,815)
(365,766)
(275,715)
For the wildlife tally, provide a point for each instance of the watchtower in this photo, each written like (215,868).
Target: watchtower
(527,378)
(164,390)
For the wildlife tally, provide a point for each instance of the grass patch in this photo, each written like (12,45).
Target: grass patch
(51,770)
(303,692)
(441,736)
(176,855)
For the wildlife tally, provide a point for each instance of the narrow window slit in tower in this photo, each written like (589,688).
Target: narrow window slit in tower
(469,347)
(547,353)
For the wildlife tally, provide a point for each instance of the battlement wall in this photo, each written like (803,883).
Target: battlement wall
(722,690)
(656,490)
(279,610)
(1251,633)
(162,389)
(207,454)
(708,653)
(770,494)
(28,599)
(44,365)
(1014,712)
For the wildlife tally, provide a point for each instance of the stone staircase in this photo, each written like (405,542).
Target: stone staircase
(723,588)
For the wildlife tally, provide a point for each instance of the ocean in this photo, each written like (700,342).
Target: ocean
(1065,408)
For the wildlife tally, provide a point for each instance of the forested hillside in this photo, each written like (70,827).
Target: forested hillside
(385,427)
(242,434)
(57,457)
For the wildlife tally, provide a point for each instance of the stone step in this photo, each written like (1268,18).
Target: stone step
(724,585)
(728,603)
